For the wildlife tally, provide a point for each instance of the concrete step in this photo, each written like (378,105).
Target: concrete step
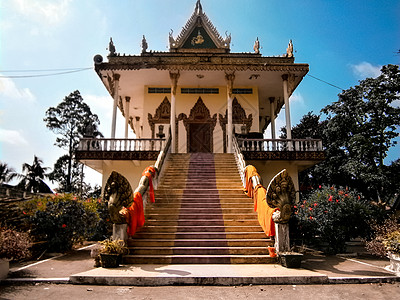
(198,227)
(200,235)
(209,222)
(198,251)
(188,211)
(171,217)
(200,243)
(198,259)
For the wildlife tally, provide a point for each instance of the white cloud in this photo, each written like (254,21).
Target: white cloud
(8,89)
(365,69)
(49,11)
(296,98)
(12,137)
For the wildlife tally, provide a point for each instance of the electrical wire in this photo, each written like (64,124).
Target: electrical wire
(335,86)
(64,71)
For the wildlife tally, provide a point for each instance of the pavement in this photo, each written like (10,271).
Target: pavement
(77,267)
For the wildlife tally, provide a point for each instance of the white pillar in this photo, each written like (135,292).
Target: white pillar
(272,109)
(229,87)
(287,107)
(116,98)
(127,104)
(174,82)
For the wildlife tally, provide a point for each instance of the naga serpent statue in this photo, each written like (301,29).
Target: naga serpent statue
(118,193)
(281,194)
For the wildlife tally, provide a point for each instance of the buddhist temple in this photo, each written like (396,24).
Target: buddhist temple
(199,113)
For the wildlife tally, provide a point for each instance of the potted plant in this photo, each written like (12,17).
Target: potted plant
(14,245)
(111,252)
(391,242)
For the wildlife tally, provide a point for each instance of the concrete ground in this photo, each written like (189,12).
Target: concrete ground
(77,268)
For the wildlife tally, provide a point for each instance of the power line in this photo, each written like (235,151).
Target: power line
(64,71)
(326,82)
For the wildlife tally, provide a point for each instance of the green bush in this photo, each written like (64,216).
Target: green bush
(62,221)
(333,216)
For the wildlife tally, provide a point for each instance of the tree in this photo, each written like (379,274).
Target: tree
(359,130)
(7,173)
(69,119)
(61,176)
(361,127)
(33,179)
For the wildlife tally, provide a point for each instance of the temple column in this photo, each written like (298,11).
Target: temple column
(229,88)
(287,108)
(116,98)
(174,82)
(127,104)
(272,109)
(273,131)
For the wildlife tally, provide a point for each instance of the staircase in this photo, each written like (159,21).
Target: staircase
(201,216)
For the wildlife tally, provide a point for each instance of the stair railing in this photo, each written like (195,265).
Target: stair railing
(240,162)
(143,185)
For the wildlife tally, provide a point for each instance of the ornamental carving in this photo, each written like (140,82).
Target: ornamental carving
(162,116)
(281,194)
(238,117)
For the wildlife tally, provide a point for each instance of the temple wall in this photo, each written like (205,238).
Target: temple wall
(216,103)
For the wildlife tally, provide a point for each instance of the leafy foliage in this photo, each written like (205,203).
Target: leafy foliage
(386,237)
(14,245)
(68,120)
(33,180)
(62,221)
(333,216)
(7,173)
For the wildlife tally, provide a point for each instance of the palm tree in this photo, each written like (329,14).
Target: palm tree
(32,181)
(6,173)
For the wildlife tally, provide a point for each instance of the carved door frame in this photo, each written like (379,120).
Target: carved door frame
(199,114)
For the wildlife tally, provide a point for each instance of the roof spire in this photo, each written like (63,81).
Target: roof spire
(199,9)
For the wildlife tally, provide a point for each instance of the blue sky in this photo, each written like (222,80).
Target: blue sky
(342,41)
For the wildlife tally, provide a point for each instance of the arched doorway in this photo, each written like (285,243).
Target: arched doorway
(199,128)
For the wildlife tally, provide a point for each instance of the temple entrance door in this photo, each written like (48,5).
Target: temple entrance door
(200,137)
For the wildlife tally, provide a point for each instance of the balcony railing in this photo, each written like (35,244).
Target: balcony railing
(279,145)
(281,149)
(121,144)
(119,149)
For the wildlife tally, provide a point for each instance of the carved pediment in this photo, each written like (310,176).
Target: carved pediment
(238,116)
(163,112)
(199,114)
(199,33)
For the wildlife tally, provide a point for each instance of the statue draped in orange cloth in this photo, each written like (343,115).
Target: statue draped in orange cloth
(150,172)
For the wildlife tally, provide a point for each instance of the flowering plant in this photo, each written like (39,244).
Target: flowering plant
(14,245)
(332,216)
(109,246)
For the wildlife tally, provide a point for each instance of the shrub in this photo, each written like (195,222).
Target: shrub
(61,221)
(333,216)
(14,245)
(386,238)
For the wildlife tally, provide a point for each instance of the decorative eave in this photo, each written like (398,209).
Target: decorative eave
(227,62)
(199,19)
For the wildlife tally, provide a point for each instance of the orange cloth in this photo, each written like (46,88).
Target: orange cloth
(249,172)
(150,172)
(261,206)
(135,216)
(264,211)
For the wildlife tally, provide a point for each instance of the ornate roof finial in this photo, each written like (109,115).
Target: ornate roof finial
(289,49)
(144,44)
(256,46)
(199,8)
(111,48)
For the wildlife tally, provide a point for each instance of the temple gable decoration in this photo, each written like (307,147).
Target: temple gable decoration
(162,116)
(199,33)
